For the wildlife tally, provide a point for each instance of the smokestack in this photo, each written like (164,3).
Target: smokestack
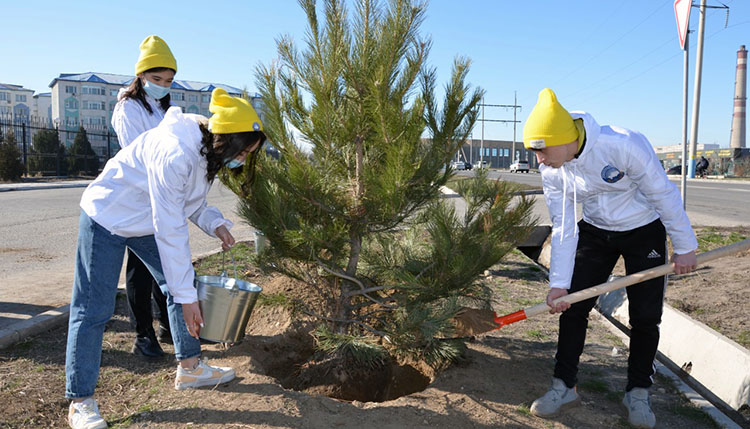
(737,135)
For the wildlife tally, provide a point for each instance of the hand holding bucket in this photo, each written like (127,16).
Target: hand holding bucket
(193,320)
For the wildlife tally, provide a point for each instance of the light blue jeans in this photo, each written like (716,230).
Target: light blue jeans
(98,263)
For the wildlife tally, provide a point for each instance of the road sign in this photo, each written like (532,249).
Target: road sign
(682,14)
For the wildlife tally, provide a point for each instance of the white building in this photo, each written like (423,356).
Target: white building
(88,99)
(41,107)
(15,100)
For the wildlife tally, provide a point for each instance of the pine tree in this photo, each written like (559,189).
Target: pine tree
(359,217)
(11,167)
(48,154)
(83,159)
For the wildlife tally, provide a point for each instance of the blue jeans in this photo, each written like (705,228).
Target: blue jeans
(98,262)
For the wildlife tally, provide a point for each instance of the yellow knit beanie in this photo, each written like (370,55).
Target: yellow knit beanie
(154,53)
(231,114)
(549,124)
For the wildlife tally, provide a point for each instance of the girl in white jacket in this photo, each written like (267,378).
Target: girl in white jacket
(142,200)
(140,107)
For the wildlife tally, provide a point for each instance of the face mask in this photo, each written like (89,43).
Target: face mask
(234,163)
(156,91)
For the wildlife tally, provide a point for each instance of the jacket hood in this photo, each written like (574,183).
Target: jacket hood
(592,130)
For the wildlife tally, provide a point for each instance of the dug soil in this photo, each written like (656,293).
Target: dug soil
(493,386)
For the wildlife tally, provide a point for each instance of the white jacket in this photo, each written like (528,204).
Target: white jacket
(621,185)
(151,188)
(130,119)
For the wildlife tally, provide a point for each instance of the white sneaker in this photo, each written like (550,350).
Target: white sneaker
(202,375)
(556,399)
(85,415)
(639,408)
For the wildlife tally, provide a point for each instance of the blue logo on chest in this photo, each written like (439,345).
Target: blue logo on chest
(611,174)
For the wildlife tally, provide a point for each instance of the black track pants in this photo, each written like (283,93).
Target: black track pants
(598,251)
(139,286)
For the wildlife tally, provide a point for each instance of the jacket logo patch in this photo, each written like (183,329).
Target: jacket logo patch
(611,174)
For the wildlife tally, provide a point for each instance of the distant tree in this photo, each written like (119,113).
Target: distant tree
(48,154)
(11,167)
(83,159)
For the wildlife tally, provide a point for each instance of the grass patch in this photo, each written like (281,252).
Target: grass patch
(523,409)
(615,340)
(525,302)
(275,300)
(695,414)
(710,238)
(535,333)
(212,265)
(743,338)
(594,385)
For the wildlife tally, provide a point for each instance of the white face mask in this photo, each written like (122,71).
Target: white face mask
(153,90)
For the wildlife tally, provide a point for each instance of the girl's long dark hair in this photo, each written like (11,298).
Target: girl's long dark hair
(136,92)
(219,147)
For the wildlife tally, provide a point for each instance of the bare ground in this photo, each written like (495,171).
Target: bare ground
(501,374)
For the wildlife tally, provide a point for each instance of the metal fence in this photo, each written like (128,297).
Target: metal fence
(102,139)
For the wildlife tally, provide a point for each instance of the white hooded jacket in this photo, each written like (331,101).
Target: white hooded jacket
(621,185)
(130,119)
(152,187)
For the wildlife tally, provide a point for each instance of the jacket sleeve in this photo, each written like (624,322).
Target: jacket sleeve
(167,182)
(644,169)
(128,121)
(564,240)
(209,218)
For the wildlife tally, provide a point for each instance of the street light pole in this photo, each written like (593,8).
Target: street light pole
(697,90)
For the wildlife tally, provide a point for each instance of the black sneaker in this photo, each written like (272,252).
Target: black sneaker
(147,347)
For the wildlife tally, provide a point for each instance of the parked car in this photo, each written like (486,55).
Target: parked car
(458,165)
(677,169)
(467,165)
(519,167)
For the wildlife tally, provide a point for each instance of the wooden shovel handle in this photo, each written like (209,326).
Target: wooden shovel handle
(638,277)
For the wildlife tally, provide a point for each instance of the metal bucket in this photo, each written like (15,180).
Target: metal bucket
(226,304)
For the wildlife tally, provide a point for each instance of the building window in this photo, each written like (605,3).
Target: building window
(192,98)
(112,105)
(93,90)
(206,98)
(71,104)
(113,92)
(20,98)
(93,105)
(178,96)
(70,89)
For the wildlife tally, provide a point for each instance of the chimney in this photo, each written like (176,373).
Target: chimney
(737,135)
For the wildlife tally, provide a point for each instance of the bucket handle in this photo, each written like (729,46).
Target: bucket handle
(224,271)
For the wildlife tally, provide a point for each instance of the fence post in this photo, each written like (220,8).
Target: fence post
(25,154)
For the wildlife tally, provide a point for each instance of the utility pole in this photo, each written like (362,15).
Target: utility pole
(697,90)
(515,108)
(683,171)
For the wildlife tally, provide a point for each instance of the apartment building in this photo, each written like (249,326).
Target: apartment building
(88,99)
(15,100)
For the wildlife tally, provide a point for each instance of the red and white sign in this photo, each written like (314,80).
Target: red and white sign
(682,14)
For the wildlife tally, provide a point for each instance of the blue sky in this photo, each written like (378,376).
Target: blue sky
(619,60)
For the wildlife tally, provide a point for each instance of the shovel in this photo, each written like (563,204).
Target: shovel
(471,322)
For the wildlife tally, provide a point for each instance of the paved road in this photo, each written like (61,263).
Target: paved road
(38,233)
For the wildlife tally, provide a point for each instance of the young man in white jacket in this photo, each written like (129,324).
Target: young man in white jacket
(142,200)
(629,205)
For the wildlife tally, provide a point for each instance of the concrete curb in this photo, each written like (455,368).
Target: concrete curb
(19,331)
(8,188)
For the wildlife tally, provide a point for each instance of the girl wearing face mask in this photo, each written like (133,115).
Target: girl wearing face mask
(140,107)
(142,200)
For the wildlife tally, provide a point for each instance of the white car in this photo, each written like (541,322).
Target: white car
(519,166)
(458,165)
